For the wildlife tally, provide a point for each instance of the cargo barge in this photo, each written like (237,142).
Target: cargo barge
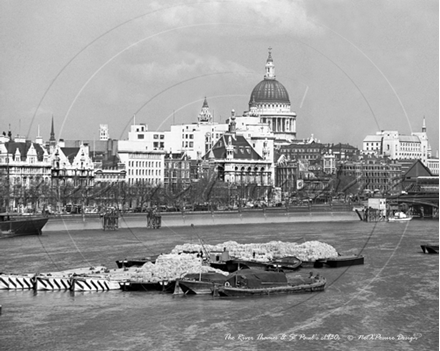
(17,225)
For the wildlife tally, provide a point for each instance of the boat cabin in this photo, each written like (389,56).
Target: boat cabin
(219,256)
(256,278)
(206,277)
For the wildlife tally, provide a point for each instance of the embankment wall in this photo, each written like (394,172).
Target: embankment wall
(90,222)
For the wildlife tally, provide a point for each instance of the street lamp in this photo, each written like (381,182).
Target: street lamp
(7,183)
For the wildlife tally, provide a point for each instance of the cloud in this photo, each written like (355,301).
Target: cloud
(265,17)
(40,112)
(188,66)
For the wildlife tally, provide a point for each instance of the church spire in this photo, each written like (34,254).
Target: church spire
(52,133)
(424,125)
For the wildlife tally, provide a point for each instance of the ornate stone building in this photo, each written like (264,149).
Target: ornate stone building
(237,162)
(269,101)
(23,165)
(72,165)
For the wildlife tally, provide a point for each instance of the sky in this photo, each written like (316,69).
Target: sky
(351,68)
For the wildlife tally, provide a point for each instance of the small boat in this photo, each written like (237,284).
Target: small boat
(254,282)
(198,284)
(344,261)
(16,225)
(430,248)
(399,217)
(288,263)
(136,262)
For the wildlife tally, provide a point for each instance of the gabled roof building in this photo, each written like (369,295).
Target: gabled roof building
(236,161)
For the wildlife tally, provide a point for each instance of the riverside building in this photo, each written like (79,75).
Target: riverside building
(195,139)
(143,164)
(236,161)
(23,164)
(398,146)
(72,165)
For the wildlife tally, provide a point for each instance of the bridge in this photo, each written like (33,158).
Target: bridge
(423,204)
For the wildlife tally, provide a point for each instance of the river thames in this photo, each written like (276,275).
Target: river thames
(389,303)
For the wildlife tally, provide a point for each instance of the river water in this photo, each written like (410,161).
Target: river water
(389,303)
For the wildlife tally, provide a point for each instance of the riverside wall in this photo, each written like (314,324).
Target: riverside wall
(177,219)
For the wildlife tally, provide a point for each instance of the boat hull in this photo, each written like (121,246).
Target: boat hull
(22,226)
(192,287)
(135,262)
(224,291)
(344,261)
(407,219)
(312,264)
(429,248)
(227,266)
(94,284)
(148,286)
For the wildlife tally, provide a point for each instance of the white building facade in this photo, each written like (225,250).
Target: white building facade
(144,163)
(397,146)
(195,139)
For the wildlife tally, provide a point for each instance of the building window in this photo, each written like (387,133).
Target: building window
(140,136)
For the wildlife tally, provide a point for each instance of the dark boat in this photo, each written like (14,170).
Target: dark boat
(254,282)
(16,225)
(198,284)
(135,262)
(344,261)
(144,286)
(226,266)
(430,248)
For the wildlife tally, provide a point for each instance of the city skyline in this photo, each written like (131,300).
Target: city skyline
(347,67)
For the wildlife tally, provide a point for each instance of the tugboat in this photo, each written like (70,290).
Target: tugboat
(253,282)
(16,225)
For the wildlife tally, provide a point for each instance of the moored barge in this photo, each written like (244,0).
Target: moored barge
(344,261)
(17,225)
